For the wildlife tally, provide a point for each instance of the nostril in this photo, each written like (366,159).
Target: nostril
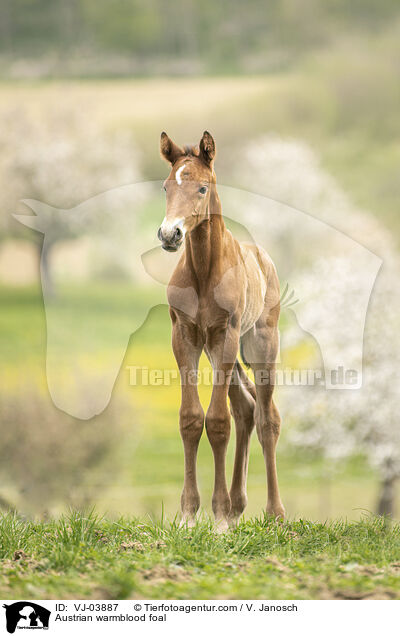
(159,235)
(178,233)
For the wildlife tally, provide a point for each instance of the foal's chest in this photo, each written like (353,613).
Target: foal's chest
(238,294)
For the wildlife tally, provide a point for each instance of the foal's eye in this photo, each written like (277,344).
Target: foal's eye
(203,190)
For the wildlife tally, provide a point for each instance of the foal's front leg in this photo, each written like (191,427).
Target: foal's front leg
(187,350)
(221,349)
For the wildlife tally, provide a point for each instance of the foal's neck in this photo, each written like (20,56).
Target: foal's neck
(205,244)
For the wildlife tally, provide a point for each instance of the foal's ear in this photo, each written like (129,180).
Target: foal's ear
(169,150)
(207,148)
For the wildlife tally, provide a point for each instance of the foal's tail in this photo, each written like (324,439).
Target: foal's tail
(246,364)
(247,383)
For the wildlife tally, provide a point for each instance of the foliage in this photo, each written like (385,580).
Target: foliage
(50,457)
(82,36)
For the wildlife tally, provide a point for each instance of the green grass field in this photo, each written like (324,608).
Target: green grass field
(144,471)
(82,556)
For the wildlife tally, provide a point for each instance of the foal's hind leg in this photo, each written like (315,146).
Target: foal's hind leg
(261,348)
(242,408)
(268,424)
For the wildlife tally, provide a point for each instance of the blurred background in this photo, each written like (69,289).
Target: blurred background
(303,100)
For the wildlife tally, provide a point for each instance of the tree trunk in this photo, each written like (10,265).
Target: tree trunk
(386,497)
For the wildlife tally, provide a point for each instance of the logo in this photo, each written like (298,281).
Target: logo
(26,615)
(333,279)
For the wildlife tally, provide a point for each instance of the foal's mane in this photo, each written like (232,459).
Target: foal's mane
(191,151)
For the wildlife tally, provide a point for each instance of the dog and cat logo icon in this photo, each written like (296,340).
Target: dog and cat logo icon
(26,615)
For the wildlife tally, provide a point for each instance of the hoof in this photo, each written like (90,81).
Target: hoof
(234,519)
(278,512)
(187,522)
(221,526)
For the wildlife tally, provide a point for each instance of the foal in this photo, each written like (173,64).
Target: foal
(221,294)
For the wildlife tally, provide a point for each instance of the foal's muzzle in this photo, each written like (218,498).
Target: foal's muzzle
(172,240)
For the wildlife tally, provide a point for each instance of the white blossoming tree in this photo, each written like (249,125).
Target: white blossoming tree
(338,423)
(61,159)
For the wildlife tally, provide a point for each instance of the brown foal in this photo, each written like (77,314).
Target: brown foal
(222,294)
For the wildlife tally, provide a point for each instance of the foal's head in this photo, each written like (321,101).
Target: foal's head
(187,188)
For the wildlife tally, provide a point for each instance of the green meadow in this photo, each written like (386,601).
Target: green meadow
(84,556)
(127,462)
(139,466)
(320,103)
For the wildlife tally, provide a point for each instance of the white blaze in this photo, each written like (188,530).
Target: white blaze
(178,174)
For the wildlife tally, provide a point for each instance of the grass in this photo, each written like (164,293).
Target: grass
(84,556)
